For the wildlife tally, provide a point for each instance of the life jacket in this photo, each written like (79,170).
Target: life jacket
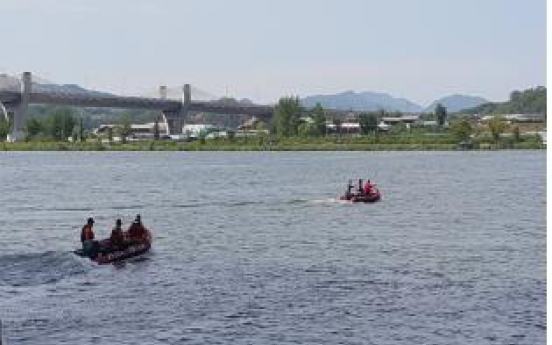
(136,231)
(87,234)
(117,236)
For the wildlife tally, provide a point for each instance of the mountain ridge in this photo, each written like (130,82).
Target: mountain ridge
(456,102)
(375,101)
(346,100)
(362,101)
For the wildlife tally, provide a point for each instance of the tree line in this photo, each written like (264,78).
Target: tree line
(61,124)
(290,122)
(530,101)
(289,119)
(57,126)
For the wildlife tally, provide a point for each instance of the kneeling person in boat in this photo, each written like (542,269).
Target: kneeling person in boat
(117,239)
(137,232)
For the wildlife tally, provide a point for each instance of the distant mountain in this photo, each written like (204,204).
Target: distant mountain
(528,101)
(362,101)
(67,88)
(246,101)
(8,82)
(373,101)
(455,103)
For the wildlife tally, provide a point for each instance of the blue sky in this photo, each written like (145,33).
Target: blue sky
(263,49)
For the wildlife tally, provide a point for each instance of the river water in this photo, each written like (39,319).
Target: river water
(254,248)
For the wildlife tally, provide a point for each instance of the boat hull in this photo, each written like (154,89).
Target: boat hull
(107,255)
(362,198)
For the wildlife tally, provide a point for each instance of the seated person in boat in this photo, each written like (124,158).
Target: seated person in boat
(348,193)
(360,189)
(117,238)
(137,232)
(89,245)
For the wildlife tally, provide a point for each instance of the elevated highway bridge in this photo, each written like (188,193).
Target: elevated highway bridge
(15,99)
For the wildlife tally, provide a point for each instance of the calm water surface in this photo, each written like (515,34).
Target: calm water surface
(253,248)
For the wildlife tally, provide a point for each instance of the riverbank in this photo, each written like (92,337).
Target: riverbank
(263,145)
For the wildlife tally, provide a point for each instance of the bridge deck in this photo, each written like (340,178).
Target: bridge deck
(104,101)
(83,100)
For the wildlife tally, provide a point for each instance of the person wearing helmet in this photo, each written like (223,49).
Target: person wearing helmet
(348,193)
(87,237)
(117,238)
(136,231)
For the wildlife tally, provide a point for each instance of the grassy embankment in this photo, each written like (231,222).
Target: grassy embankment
(402,142)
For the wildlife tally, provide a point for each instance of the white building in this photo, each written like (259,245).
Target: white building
(517,117)
(194,130)
(144,131)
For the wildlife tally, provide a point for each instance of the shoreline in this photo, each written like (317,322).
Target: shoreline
(227,146)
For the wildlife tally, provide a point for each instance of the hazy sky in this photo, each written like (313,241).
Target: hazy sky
(263,49)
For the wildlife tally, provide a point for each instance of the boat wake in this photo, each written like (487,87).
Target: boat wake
(264,203)
(329,201)
(39,268)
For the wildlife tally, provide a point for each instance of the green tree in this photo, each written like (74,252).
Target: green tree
(497,126)
(81,130)
(261,126)
(202,135)
(368,122)
(515,96)
(461,129)
(75,135)
(516,133)
(287,113)
(125,127)
(337,123)
(53,126)
(34,127)
(308,130)
(530,101)
(156,130)
(59,124)
(4,128)
(231,135)
(67,124)
(440,114)
(319,117)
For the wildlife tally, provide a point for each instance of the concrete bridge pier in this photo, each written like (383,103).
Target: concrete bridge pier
(20,110)
(172,123)
(175,119)
(5,112)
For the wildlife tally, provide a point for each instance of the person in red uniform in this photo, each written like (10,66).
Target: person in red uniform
(368,187)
